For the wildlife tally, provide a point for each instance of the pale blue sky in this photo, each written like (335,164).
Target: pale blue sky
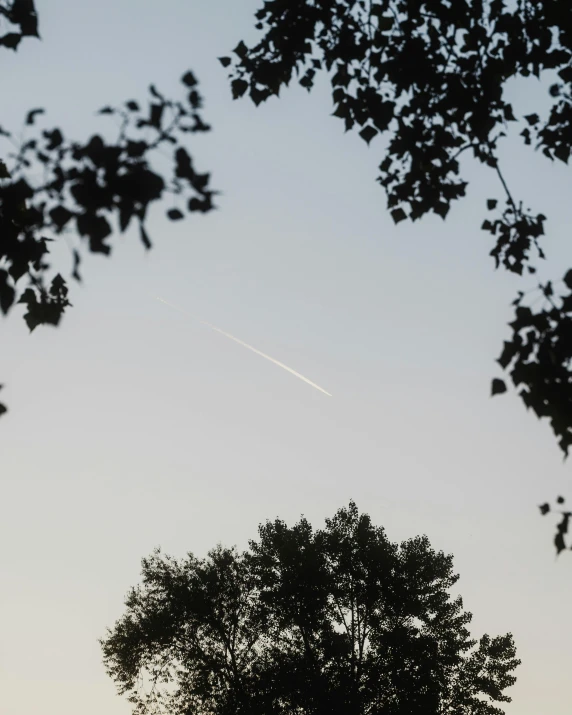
(132,427)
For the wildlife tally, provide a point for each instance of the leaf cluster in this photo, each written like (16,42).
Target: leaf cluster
(430,75)
(539,357)
(18,19)
(51,186)
(90,186)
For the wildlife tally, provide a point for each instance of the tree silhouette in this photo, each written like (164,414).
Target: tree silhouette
(431,74)
(337,620)
(89,188)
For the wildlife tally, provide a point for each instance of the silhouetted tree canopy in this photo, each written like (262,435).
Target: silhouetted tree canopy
(335,620)
(89,188)
(430,75)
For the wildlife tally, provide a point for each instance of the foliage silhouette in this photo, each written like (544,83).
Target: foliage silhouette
(562,525)
(430,74)
(22,20)
(334,620)
(89,187)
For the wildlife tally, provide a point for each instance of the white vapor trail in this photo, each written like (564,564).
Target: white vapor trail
(246,345)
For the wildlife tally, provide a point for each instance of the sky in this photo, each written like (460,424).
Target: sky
(133,426)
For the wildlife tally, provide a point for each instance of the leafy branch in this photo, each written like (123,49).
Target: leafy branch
(91,188)
(431,76)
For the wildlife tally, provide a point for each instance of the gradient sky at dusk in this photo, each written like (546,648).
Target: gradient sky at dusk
(132,426)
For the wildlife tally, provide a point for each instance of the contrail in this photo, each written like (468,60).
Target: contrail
(246,345)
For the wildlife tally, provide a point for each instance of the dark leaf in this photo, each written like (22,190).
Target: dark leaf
(368,133)
(58,287)
(567,303)
(18,192)
(144,237)
(23,13)
(136,148)
(203,205)
(184,167)
(509,113)
(508,353)
(32,114)
(442,209)
(189,79)
(97,229)
(239,87)
(156,115)
(385,23)
(55,139)
(195,99)
(32,316)
(398,215)
(60,215)
(76,264)
(562,152)
(11,40)
(544,509)
(225,61)
(491,204)
(498,387)
(126,211)
(240,50)
(175,214)
(7,293)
